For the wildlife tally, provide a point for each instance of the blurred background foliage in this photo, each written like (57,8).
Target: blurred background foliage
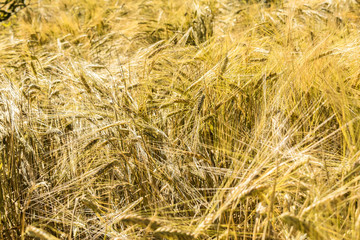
(9,8)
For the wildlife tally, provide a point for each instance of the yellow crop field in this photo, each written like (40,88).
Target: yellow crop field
(168,119)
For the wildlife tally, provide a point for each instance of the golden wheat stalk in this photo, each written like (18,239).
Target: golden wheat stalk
(173,234)
(40,233)
(235,194)
(132,219)
(303,226)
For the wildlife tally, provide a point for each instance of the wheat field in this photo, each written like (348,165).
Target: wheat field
(193,119)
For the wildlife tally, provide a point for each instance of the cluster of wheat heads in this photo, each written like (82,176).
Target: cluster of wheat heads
(175,119)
